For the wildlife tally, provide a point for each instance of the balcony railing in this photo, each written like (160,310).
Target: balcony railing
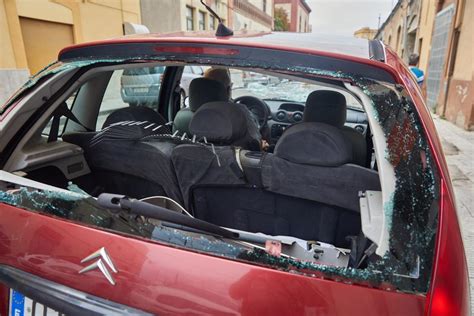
(253,12)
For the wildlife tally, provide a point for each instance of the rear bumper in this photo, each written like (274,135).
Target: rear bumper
(59,297)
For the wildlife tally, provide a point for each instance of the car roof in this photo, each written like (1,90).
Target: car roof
(341,45)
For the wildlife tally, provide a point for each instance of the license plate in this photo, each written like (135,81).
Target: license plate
(140,90)
(20,305)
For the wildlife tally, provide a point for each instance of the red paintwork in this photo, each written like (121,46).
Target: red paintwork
(450,280)
(236,41)
(165,280)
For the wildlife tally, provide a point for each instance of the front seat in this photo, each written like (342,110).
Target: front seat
(201,91)
(226,124)
(329,107)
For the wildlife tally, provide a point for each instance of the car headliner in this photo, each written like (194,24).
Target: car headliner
(343,45)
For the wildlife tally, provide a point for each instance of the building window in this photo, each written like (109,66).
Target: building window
(189,18)
(212,23)
(265,6)
(397,43)
(202,21)
(299,27)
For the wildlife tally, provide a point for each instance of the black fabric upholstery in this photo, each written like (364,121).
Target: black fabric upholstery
(325,106)
(150,161)
(338,186)
(80,139)
(270,194)
(358,144)
(258,210)
(201,91)
(111,181)
(204,90)
(125,159)
(181,121)
(133,122)
(200,165)
(134,113)
(251,165)
(330,107)
(313,165)
(225,123)
(314,144)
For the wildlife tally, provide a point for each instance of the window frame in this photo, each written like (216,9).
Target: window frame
(212,23)
(201,20)
(189,18)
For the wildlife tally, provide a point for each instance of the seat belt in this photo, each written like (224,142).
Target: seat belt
(61,111)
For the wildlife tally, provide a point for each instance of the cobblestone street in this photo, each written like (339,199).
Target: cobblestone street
(458,147)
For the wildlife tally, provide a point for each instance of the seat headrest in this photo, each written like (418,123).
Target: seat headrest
(136,113)
(220,122)
(316,144)
(204,90)
(325,106)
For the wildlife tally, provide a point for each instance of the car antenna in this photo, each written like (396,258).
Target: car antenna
(222,30)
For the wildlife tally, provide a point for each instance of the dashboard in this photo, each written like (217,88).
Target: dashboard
(284,114)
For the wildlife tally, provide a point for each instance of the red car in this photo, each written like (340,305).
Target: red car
(325,193)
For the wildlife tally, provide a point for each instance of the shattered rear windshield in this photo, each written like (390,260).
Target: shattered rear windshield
(412,210)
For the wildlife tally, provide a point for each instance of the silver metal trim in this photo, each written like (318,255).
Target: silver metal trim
(99,264)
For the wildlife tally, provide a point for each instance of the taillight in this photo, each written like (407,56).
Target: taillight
(4,299)
(197,50)
(449,290)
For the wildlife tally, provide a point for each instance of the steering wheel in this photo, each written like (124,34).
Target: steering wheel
(257,107)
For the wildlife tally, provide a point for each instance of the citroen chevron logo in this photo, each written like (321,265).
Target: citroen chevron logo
(101,264)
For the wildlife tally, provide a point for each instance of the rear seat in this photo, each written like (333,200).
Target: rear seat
(306,189)
(131,155)
(222,125)
(312,162)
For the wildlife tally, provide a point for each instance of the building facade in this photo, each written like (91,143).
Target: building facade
(251,15)
(190,15)
(450,89)
(166,16)
(298,14)
(441,32)
(33,32)
(366,33)
(400,29)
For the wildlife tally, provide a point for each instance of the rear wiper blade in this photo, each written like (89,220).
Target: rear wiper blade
(117,203)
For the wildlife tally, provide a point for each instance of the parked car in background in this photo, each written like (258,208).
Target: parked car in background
(140,87)
(112,207)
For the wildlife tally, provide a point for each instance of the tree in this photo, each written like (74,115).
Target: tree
(281,20)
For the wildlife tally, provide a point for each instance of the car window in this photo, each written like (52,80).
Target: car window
(131,87)
(268,87)
(62,120)
(197,70)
